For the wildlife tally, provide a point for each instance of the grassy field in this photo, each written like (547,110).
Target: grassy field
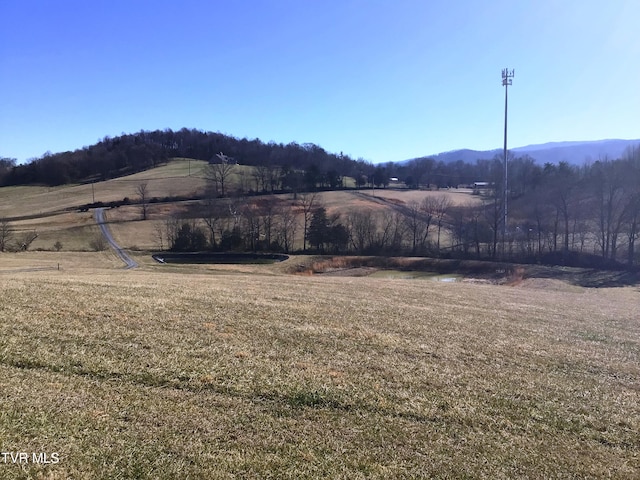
(457,196)
(249,371)
(49,210)
(133,233)
(253,373)
(166,180)
(76,230)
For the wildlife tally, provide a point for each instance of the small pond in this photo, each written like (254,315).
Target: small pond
(217,258)
(417,275)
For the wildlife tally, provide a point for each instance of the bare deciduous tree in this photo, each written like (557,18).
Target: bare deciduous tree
(308,202)
(170,229)
(261,177)
(391,232)
(437,207)
(6,231)
(143,195)
(418,218)
(98,243)
(274,176)
(219,174)
(253,225)
(287,226)
(27,239)
(412,221)
(159,233)
(395,224)
(212,213)
(243,182)
(362,230)
(268,212)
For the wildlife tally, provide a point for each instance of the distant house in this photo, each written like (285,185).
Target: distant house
(481,187)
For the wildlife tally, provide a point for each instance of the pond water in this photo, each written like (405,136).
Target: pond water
(218,258)
(417,275)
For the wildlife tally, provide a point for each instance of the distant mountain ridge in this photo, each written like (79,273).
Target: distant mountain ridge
(575,153)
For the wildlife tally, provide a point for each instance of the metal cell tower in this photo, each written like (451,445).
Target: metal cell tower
(507,79)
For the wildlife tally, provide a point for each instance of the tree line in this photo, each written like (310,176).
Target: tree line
(284,167)
(559,214)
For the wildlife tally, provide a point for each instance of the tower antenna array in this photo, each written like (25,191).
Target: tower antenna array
(507,80)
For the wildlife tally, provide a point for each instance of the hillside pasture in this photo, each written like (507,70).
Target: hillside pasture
(131,232)
(136,374)
(75,231)
(166,180)
(49,210)
(457,196)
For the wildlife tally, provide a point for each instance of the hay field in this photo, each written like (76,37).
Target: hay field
(170,179)
(46,210)
(457,196)
(179,176)
(345,202)
(73,230)
(157,374)
(133,233)
(67,262)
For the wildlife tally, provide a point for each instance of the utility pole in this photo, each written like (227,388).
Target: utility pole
(507,79)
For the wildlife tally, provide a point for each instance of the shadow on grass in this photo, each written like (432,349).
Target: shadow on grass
(281,400)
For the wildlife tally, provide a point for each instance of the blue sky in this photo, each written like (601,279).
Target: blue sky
(382,80)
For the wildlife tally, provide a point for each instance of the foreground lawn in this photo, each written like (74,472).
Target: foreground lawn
(149,375)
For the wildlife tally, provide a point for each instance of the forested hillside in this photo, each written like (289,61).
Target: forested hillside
(299,166)
(126,154)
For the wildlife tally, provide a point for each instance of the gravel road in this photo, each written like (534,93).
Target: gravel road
(99,216)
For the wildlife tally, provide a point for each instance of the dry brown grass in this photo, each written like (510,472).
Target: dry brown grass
(131,232)
(139,374)
(90,262)
(74,230)
(43,209)
(457,196)
(345,202)
(167,180)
